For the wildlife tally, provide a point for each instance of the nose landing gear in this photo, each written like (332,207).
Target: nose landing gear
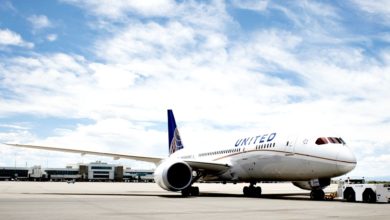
(317,194)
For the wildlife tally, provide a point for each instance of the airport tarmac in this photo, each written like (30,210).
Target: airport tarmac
(60,200)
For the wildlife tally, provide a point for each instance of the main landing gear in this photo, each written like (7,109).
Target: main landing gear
(317,194)
(190,191)
(252,191)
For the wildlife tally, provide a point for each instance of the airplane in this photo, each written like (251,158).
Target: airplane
(309,162)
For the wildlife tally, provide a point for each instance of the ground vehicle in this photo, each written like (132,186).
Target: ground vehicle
(353,190)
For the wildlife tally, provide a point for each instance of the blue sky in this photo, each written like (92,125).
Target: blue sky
(99,75)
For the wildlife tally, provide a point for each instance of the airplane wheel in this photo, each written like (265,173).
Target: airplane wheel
(190,191)
(186,192)
(317,194)
(257,191)
(194,191)
(252,191)
(246,191)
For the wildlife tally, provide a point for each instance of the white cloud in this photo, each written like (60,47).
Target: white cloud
(7,6)
(251,5)
(376,8)
(374,165)
(10,38)
(190,13)
(316,22)
(152,39)
(52,37)
(116,9)
(319,9)
(39,21)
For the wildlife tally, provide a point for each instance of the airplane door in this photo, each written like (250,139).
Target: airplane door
(290,146)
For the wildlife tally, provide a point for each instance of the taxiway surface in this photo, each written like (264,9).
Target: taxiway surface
(60,200)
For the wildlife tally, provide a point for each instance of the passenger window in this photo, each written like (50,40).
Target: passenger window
(321,140)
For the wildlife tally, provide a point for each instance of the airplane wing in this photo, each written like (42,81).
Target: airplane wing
(155,160)
(208,167)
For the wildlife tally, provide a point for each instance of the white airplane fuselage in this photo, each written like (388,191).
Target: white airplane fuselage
(280,159)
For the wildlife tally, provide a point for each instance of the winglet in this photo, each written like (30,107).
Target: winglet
(175,142)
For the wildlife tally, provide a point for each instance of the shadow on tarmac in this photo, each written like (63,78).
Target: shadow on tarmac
(284,196)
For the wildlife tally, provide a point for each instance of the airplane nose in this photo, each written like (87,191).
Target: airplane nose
(346,160)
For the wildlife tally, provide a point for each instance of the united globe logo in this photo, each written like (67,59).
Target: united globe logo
(176,143)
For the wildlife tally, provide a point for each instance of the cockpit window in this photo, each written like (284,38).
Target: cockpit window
(321,140)
(331,140)
(342,141)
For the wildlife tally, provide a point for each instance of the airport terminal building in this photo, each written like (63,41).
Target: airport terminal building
(96,171)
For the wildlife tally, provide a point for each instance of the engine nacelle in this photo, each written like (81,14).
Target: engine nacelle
(313,184)
(173,175)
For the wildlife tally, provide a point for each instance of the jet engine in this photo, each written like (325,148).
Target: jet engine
(313,184)
(173,175)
